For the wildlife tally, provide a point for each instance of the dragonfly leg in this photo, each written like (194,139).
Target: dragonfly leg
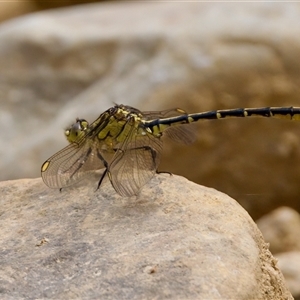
(105,172)
(146,148)
(153,154)
(101,179)
(82,161)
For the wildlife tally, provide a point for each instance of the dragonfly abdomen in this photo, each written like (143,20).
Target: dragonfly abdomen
(291,113)
(159,125)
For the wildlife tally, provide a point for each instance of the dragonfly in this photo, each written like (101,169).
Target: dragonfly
(127,143)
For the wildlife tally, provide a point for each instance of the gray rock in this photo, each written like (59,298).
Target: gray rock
(199,56)
(175,240)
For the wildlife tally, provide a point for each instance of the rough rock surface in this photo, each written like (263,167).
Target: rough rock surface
(176,240)
(199,56)
(281,229)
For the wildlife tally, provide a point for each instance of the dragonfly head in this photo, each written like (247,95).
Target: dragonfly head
(76,130)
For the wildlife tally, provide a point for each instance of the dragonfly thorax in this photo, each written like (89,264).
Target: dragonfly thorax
(119,124)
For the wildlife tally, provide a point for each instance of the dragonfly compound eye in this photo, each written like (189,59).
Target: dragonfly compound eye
(76,130)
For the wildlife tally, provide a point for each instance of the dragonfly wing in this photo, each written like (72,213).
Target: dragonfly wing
(134,163)
(173,112)
(71,164)
(183,133)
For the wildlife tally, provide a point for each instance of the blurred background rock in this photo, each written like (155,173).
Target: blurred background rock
(281,229)
(12,9)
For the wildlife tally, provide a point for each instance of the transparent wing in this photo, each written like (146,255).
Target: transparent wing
(134,163)
(173,112)
(72,164)
(183,133)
